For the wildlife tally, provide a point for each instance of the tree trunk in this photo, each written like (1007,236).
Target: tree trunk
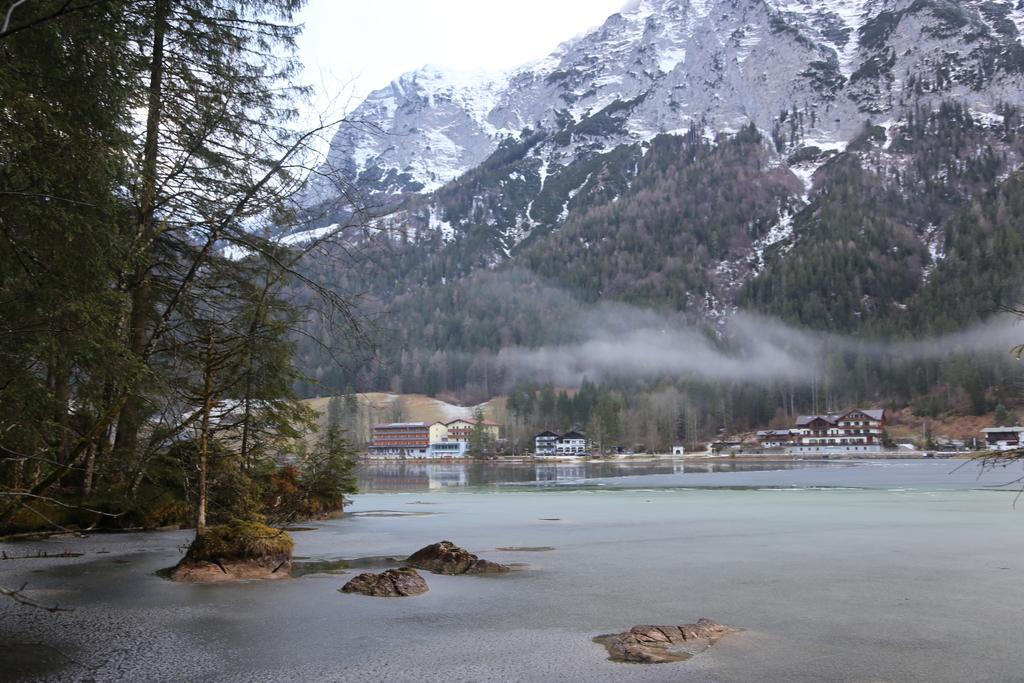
(254,326)
(62,398)
(16,474)
(87,470)
(133,411)
(96,459)
(204,435)
(246,417)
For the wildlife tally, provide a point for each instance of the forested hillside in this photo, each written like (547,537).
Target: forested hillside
(885,241)
(910,231)
(848,169)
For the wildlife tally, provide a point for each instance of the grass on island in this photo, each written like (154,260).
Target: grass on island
(240,540)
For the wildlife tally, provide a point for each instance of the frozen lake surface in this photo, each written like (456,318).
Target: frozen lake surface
(861,571)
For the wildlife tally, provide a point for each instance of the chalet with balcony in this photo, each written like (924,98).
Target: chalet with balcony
(462,430)
(857,430)
(570,444)
(1004,438)
(776,438)
(544,443)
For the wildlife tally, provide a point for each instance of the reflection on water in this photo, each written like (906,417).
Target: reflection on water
(906,573)
(420,476)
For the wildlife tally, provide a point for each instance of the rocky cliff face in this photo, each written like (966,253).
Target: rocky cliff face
(808,72)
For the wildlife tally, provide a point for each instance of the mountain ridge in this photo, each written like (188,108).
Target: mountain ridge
(838,211)
(721,62)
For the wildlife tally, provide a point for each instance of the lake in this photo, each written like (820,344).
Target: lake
(838,571)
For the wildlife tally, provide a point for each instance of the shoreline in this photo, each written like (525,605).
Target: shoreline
(764,457)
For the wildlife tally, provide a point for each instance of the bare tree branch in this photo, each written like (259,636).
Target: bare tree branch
(19,596)
(10,13)
(63,10)
(60,503)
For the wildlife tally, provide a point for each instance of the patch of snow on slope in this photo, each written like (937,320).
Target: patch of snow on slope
(805,172)
(850,12)
(714,309)
(475,90)
(608,79)
(987,119)
(443,146)
(443,163)
(1016,15)
(308,235)
(780,233)
(700,8)
(454,412)
(572,194)
(442,226)
(542,172)
(934,238)
(746,42)
(837,146)
(234,252)
(363,152)
(670,57)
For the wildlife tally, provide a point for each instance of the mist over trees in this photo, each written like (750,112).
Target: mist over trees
(910,233)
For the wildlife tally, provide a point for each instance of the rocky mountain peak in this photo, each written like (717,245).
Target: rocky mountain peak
(664,66)
(842,164)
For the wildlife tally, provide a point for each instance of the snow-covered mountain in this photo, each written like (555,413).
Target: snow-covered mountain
(671,64)
(845,165)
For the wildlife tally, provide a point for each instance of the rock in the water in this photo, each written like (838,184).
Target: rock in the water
(447,558)
(393,583)
(487,567)
(206,571)
(661,644)
(237,551)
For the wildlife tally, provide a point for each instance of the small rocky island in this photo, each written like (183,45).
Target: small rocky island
(392,583)
(447,558)
(439,558)
(236,551)
(663,644)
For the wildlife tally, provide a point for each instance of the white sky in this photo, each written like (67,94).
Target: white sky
(352,47)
